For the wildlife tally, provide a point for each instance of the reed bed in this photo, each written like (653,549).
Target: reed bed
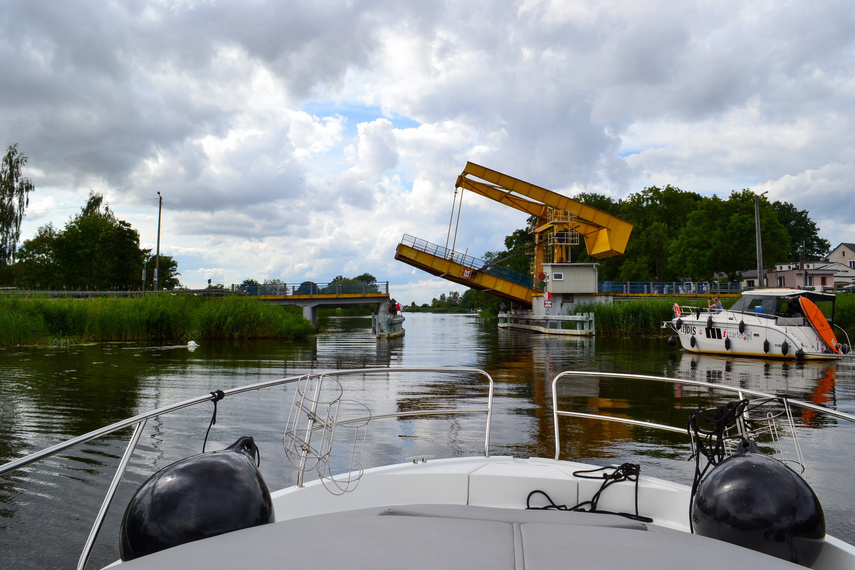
(43,320)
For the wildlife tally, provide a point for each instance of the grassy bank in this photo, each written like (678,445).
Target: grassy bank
(645,315)
(42,320)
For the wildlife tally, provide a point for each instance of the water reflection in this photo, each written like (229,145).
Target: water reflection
(812,382)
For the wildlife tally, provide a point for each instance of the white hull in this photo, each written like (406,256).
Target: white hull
(744,334)
(390,326)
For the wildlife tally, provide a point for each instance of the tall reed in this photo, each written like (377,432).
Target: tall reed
(43,320)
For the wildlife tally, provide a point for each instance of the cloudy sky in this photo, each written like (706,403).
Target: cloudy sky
(302,139)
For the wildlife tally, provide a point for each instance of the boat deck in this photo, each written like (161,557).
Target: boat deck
(454,536)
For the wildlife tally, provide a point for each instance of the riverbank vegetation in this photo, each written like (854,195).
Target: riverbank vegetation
(39,320)
(95,251)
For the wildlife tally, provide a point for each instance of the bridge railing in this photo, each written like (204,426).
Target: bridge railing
(669,288)
(312,289)
(471,262)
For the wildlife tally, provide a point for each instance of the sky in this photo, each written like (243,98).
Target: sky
(301,140)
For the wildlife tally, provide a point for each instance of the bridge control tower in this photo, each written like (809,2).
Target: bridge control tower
(559,222)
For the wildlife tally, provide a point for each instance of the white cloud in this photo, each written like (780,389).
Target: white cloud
(302,141)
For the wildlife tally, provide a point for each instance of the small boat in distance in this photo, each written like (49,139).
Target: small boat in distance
(390,323)
(768,323)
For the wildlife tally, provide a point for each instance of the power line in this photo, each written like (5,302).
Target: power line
(108,204)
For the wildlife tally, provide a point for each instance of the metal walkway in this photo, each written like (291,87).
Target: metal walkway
(467,270)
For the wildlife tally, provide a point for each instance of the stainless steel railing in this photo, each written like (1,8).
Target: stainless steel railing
(138,422)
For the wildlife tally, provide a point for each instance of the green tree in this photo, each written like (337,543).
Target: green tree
(94,251)
(36,265)
(98,251)
(249,286)
(658,215)
(803,232)
(14,199)
(168,275)
(719,238)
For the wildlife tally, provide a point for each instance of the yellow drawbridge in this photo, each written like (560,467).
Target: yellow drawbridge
(467,270)
(559,223)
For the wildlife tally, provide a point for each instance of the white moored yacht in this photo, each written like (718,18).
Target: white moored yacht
(777,323)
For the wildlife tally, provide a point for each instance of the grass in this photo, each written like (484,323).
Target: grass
(42,320)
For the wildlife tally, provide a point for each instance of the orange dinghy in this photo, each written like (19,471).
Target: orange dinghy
(819,323)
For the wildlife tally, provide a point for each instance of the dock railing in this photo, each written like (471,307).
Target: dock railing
(138,423)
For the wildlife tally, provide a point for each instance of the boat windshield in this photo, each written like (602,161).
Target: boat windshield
(755,304)
(788,306)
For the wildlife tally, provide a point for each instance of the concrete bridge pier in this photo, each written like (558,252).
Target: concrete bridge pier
(310,305)
(310,313)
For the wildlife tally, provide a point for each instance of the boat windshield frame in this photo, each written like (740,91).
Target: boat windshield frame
(768,305)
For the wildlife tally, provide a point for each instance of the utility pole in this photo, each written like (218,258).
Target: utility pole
(157,257)
(761,270)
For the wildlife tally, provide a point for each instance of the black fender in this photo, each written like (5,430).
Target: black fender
(197,497)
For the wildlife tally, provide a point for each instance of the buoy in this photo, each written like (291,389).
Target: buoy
(679,323)
(800,354)
(727,343)
(677,312)
(766,346)
(741,327)
(785,348)
(757,502)
(709,322)
(692,341)
(672,340)
(195,498)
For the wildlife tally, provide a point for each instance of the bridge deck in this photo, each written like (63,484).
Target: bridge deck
(324,296)
(466,270)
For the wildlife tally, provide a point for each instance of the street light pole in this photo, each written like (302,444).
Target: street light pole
(157,257)
(761,277)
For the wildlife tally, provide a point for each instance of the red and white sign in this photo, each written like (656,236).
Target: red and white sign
(467,273)
(547,304)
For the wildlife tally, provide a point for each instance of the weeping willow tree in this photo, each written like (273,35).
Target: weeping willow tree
(14,199)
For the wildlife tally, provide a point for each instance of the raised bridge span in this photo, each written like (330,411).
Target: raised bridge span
(469,271)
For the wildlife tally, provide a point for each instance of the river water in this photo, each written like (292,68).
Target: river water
(48,395)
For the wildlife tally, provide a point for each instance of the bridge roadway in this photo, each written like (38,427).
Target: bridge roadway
(309,296)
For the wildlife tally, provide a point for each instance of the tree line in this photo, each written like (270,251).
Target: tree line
(676,236)
(94,251)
